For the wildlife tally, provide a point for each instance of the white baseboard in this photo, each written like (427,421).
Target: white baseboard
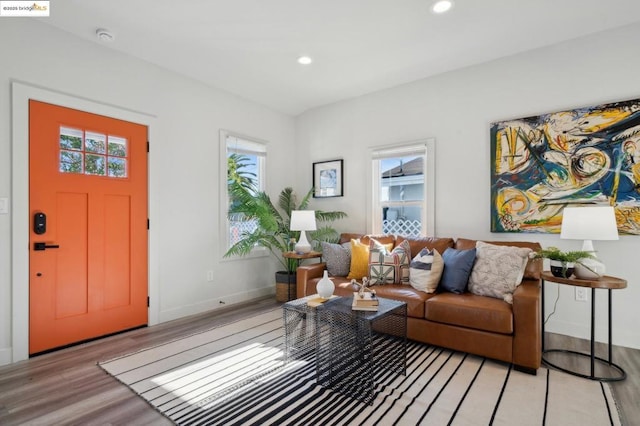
(212,304)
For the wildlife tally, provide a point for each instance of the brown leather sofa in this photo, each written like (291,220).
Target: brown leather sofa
(466,322)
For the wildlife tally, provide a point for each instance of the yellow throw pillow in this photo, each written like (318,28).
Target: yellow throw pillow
(360,259)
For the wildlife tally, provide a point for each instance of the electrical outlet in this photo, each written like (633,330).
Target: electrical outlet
(581,294)
(209,275)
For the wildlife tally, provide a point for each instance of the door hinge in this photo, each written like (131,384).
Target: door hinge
(148,224)
(147,301)
(147,146)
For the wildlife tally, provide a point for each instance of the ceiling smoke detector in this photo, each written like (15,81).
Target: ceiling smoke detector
(105,35)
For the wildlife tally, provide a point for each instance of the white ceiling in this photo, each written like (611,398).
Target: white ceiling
(250,47)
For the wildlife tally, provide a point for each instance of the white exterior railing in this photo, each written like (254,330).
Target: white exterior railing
(409,228)
(237,227)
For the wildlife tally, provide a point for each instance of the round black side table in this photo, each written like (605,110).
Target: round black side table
(607,283)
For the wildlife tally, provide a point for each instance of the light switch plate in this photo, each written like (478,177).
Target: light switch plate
(4,205)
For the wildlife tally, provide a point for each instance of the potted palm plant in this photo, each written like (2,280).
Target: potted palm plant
(272,221)
(562,263)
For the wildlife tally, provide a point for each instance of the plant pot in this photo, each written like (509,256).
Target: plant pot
(285,286)
(589,269)
(561,269)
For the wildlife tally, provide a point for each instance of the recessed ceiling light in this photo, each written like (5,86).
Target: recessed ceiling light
(304,60)
(105,35)
(442,6)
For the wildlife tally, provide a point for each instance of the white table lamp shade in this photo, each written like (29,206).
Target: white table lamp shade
(588,224)
(303,220)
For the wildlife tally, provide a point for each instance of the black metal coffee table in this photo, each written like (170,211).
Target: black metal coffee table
(299,329)
(351,346)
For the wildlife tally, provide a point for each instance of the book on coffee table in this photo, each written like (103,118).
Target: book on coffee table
(366,301)
(315,300)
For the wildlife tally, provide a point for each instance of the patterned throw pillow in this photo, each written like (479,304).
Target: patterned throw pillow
(389,267)
(498,270)
(360,258)
(425,270)
(337,257)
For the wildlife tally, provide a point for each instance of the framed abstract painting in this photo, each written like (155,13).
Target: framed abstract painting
(583,156)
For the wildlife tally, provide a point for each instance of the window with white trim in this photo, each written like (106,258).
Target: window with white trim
(403,189)
(242,158)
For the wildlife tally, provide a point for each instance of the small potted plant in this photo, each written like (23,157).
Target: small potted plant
(562,263)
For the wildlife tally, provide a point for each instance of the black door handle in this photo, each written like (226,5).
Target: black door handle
(44,246)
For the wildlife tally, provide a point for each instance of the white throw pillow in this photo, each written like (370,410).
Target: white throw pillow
(425,270)
(498,270)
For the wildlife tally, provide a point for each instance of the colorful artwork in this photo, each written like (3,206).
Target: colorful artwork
(584,156)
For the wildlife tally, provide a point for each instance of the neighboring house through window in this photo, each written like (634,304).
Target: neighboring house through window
(403,189)
(247,158)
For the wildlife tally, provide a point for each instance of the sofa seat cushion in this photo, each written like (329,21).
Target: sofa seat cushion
(404,293)
(471,311)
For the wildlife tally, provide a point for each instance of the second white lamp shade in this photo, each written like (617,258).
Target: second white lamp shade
(303,220)
(588,224)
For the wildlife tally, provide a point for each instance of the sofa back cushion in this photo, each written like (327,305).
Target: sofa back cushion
(418,243)
(534,266)
(346,237)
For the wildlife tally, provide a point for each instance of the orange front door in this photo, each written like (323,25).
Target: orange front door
(88,236)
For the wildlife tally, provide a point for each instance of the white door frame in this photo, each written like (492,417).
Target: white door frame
(21,93)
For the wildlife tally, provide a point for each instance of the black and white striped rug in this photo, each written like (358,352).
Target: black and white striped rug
(234,375)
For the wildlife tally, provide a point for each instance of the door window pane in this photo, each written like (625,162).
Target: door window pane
(117,167)
(94,165)
(70,161)
(117,146)
(70,138)
(95,142)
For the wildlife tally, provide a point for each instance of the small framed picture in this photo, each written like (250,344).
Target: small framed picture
(327,179)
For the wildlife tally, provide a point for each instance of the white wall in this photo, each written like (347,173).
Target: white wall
(184,165)
(456,109)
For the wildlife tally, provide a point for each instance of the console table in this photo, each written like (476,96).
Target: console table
(607,283)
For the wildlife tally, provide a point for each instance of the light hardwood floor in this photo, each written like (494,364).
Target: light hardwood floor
(67,387)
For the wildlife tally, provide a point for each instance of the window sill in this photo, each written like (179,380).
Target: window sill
(255,253)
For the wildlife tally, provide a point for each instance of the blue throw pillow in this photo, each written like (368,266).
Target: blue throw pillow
(457,268)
